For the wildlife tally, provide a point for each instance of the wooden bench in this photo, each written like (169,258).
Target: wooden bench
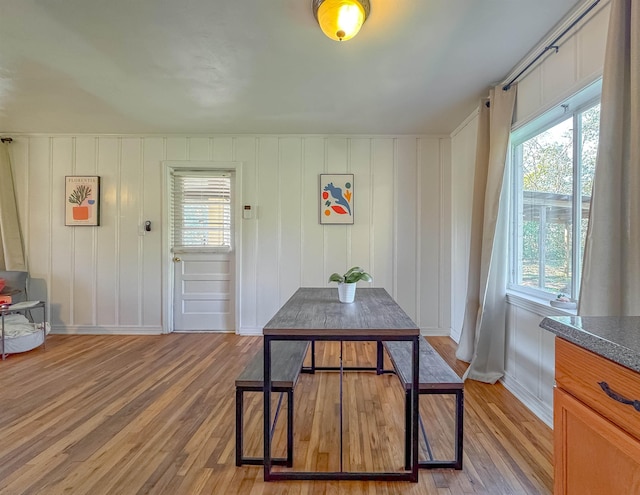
(286,364)
(436,377)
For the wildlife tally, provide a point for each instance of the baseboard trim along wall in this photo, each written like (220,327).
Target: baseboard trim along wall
(106,330)
(537,407)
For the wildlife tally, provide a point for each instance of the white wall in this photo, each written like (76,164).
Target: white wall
(530,350)
(463,154)
(107,279)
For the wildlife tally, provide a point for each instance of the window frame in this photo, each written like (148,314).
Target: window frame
(204,173)
(574,106)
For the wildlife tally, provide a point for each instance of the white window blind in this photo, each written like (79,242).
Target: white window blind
(201,209)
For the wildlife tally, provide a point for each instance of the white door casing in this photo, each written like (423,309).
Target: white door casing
(202,286)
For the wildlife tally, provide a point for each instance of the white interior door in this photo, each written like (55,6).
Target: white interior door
(202,227)
(204,292)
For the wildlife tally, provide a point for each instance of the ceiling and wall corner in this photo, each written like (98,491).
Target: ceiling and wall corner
(251,66)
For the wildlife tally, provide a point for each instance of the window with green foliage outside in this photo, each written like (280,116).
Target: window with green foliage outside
(554,171)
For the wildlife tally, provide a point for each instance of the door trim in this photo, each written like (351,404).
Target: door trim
(167,272)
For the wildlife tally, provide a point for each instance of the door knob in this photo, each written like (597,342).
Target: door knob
(176,259)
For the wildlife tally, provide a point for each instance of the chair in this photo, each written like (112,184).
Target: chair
(11,343)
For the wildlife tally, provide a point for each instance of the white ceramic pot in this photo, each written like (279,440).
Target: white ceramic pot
(346,292)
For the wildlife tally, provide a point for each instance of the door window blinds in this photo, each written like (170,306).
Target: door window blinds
(201,214)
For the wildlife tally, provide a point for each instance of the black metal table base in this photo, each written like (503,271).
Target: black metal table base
(411,472)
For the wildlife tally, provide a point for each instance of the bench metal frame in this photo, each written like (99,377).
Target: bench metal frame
(250,380)
(443,386)
(459,440)
(259,461)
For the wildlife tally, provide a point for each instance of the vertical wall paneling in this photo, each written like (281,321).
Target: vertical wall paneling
(107,233)
(268,269)
(418,229)
(39,223)
(109,279)
(529,97)
(360,166)
(446,267)
(61,238)
(406,206)
(128,226)
(152,261)
(336,247)
(559,70)
(245,152)
(176,148)
(430,255)
(222,150)
(290,199)
(140,233)
(199,149)
(382,214)
(591,47)
(315,270)
(84,239)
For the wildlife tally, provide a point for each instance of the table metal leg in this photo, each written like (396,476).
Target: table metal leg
(3,354)
(341,422)
(415,404)
(379,358)
(44,326)
(267,408)
(239,426)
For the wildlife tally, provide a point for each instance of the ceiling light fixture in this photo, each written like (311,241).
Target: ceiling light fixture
(341,20)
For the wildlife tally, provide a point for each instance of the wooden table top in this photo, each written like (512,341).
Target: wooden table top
(317,312)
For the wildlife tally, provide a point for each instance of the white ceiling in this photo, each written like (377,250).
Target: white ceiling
(256,66)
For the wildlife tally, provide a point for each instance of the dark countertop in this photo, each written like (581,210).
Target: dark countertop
(616,338)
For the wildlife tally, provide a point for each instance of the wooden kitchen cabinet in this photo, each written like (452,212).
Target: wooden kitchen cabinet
(597,438)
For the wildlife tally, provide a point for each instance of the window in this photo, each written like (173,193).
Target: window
(554,162)
(201,214)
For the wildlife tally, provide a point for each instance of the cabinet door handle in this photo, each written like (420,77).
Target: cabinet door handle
(607,390)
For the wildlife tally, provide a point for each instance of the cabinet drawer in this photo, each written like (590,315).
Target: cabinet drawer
(580,372)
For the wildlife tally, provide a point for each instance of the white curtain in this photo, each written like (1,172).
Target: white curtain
(482,342)
(611,270)
(11,249)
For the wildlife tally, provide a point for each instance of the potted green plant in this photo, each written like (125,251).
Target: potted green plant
(77,197)
(347,283)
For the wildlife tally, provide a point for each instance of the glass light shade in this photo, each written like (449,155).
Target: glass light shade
(341,20)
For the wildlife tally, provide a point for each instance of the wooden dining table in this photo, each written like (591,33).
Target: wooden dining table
(315,314)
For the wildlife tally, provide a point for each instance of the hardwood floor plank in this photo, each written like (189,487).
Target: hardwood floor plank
(156,415)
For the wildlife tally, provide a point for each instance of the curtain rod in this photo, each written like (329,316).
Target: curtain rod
(6,140)
(551,46)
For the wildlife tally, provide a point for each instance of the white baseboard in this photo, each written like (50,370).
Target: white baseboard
(435,332)
(105,330)
(250,331)
(535,405)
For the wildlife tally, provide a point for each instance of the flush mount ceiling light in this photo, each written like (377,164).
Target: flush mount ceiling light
(341,20)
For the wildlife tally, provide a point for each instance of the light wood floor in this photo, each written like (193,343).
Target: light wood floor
(130,415)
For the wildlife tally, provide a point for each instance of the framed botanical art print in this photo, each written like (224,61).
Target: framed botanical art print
(336,198)
(82,200)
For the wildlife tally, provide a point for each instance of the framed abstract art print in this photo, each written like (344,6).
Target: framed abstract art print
(336,198)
